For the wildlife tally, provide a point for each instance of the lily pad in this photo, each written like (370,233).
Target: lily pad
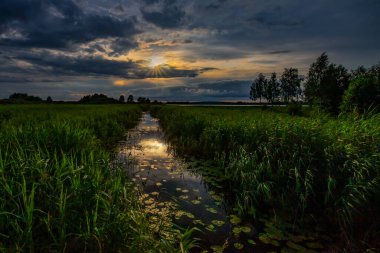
(238,245)
(250,241)
(234,219)
(210,228)
(154,193)
(216,197)
(217,249)
(218,223)
(158,184)
(178,189)
(183,197)
(211,210)
(246,230)
(185,191)
(195,202)
(236,231)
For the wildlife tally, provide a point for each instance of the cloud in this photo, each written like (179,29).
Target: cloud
(58,64)
(169,17)
(57,24)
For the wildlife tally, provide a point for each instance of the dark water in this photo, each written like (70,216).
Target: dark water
(165,179)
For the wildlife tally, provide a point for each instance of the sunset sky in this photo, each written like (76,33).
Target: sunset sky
(175,49)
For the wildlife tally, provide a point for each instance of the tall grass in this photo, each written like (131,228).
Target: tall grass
(316,166)
(60,190)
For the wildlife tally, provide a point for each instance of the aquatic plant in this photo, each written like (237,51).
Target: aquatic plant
(316,166)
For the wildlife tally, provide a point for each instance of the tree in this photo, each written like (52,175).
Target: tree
(271,89)
(257,87)
(121,99)
(130,99)
(141,100)
(314,78)
(326,83)
(362,94)
(49,99)
(290,84)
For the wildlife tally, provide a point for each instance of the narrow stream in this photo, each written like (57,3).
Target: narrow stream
(164,179)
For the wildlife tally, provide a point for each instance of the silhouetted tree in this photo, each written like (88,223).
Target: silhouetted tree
(130,99)
(257,87)
(271,89)
(49,99)
(23,97)
(363,92)
(121,99)
(290,84)
(326,83)
(97,99)
(141,100)
(147,101)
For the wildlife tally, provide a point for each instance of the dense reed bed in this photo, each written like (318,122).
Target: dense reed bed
(317,167)
(60,192)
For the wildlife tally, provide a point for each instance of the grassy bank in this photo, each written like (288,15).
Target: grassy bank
(315,167)
(60,190)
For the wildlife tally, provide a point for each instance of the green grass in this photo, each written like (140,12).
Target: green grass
(60,190)
(315,166)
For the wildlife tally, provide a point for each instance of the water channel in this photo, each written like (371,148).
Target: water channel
(165,178)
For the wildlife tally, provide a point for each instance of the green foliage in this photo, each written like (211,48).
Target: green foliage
(60,190)
(362,94)
(326,83)
(294,108)
(323,167)
(257,87)
(290,84)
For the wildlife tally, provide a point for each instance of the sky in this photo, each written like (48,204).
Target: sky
(175,50)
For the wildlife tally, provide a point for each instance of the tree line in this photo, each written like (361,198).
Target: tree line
(24,98)
(327,85)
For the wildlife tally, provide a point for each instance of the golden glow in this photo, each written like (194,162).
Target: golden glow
(153,147)
(120,82)
(156,61)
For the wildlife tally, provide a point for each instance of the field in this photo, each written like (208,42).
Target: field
(315,168)
(61,192)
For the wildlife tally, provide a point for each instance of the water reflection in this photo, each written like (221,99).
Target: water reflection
(170,189)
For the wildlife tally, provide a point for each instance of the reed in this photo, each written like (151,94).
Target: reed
(311,166)
(61,192)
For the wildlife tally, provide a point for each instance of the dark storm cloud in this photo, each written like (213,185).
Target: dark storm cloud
(169,17)
(76,40)
(56,24)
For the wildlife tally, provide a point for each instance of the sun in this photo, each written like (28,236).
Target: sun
(156,60)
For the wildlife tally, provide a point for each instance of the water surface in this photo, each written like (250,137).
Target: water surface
(165,178)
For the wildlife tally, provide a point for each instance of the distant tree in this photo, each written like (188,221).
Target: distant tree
(257,87)
(121,99)
(141,100)
(290,84)
(271,89)
(362,94)
(97,99)
(326,83)
(147,101)
(49,99)
(23,97)
(130,99)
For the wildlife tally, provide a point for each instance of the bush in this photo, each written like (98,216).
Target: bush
(294,108)
(362,94)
